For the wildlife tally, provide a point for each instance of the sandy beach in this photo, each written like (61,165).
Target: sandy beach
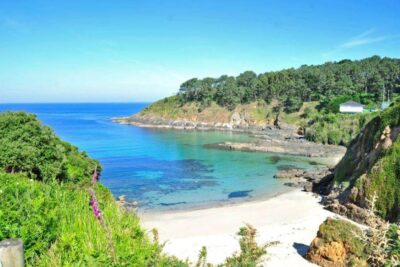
(291,218)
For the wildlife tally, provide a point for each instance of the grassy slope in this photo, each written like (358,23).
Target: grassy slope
(371,170)
(44,200)
(258,112)
(58,228)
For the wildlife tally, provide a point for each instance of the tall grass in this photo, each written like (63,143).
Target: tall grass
(58,228)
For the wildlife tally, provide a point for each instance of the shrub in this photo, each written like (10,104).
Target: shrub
(28,147)
(250,252)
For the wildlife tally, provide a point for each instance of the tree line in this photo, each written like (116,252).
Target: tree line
(370,81)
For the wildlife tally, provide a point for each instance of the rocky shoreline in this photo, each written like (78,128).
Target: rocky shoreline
(296,147)
(162,123)
(271,139)
(319,181)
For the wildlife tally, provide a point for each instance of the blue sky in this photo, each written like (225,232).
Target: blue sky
(111,51)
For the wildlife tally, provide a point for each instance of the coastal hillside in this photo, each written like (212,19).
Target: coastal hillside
(307,98)
(52,200)
(370,168)
(64,218)
(365,188)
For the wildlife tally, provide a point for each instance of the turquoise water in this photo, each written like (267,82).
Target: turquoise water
(164,169)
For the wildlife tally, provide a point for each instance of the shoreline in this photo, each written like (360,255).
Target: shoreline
(270,139)
(292,218)
(217,204)
(189,126)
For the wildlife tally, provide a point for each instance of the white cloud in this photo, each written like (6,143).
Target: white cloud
(362,39)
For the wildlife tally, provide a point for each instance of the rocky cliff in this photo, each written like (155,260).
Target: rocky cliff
(171,113)
(369,171)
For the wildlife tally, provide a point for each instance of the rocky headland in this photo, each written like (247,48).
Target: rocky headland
(271,137)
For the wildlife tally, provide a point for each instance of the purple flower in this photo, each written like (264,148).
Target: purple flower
(95,207)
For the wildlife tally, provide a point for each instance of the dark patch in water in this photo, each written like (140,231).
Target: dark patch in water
(313,163)
(172,204)
(129,176)
(287,167)
(237,194)
(274,159)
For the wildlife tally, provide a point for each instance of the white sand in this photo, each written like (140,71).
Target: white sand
(292,219)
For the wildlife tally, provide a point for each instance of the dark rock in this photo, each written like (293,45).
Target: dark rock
(172,203)
(238,194)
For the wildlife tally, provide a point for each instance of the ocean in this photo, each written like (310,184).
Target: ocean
(164,169)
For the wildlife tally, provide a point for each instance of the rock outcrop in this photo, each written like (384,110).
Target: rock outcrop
(366,176)
(308,180)
(338,244)
(290,146)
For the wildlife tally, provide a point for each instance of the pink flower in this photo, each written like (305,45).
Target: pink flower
(95,207)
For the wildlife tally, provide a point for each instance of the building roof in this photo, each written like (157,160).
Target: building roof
(351,104)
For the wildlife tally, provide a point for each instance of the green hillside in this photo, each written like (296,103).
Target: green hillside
(44,195)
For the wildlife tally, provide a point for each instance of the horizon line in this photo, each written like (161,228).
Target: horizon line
(100,102)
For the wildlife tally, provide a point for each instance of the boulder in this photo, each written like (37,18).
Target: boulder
(338,243)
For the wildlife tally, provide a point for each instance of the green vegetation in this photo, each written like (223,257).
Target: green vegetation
(250,255)
(384,181)
(45,189)
(368,80)
(336,129)
(250,252)
(346,232)
(374,170)
(308,97)
(29,147)
(393,244)
(44,196)
(58,228)
(342,243)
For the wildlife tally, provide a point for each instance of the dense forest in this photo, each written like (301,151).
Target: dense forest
(369,81)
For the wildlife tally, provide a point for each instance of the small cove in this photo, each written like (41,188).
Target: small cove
(165,169)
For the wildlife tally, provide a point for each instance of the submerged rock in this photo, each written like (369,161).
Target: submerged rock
(239,194)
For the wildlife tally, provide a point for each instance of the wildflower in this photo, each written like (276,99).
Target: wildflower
(95,207)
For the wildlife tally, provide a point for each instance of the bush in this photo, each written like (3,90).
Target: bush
(26,146)
(336,129)
(250,252)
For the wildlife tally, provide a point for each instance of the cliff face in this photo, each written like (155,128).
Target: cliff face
(370,170)
(170,113)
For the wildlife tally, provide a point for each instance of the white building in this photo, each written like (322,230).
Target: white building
(351,107)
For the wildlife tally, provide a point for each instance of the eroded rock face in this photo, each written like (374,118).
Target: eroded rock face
(331,254)
(354,213)
(338,243)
